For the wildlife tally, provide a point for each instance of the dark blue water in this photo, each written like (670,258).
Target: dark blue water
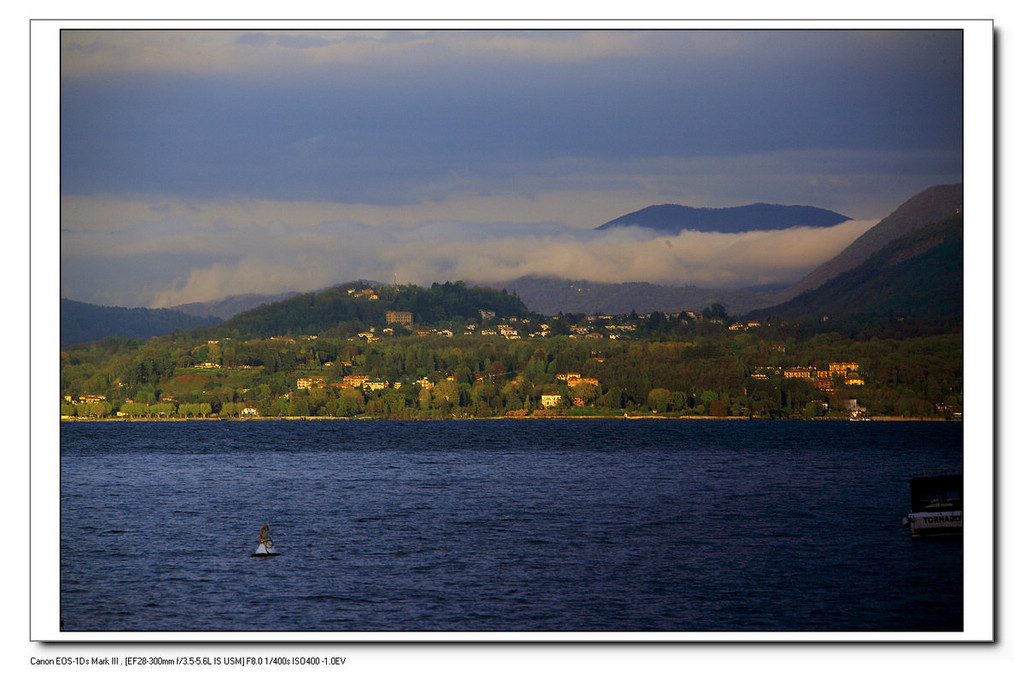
(515,526)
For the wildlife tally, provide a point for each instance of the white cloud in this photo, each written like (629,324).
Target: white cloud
(205,251)
(250,275)
(311,257)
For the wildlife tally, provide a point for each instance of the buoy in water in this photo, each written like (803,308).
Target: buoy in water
(265,548)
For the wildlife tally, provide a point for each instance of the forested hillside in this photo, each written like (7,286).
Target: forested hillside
(917,275)
(926,207)
(83,323)
(640,365)
(356,306)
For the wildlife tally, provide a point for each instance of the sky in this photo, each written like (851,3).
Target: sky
(198,164)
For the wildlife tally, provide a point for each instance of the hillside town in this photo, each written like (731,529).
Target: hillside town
(686,364)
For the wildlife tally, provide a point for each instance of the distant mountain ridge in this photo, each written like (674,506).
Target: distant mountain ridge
(83,322)
(919,274)
(549,296)
(930,205)
(226,308)
(673,218)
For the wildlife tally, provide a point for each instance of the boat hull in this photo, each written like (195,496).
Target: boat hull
(935,523)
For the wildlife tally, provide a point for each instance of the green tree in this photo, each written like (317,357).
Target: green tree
(658,399)
(446,394)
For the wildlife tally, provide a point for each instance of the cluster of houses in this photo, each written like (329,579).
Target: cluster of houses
(85,399)
(359,382)
(366,383)
(592,327)
(353,381)
(574,379)
(403,318)
(363,293)
(571,379)
(824,379)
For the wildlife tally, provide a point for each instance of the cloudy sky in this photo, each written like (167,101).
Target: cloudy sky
(196,164)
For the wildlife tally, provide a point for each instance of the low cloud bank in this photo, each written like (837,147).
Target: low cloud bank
(280,258)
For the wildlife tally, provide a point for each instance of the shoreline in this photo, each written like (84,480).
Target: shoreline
(553,417)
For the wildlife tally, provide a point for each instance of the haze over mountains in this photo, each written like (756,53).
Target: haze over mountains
(911,262)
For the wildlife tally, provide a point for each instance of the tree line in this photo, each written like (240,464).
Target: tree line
(666,365)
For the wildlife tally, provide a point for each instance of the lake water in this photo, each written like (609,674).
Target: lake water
(513,526)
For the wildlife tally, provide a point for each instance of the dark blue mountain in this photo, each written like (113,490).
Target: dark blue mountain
(673,218)
(226,308)
(84,323)
(930,205)
(917,275)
